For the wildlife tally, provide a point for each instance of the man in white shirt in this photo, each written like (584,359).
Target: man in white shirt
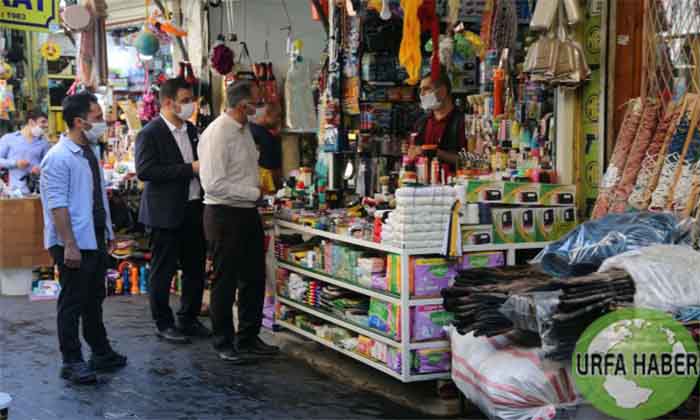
(229,176)
(171,207)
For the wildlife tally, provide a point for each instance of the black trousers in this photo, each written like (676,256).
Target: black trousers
(184,246)
(237,239)
(82,294)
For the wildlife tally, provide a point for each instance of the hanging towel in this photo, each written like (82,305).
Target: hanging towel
(409,52)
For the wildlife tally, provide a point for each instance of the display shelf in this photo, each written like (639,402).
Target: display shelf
(396,250)
(404,300)
(340,238)
(360,358)
(383,296)
(375,335)
(386,297)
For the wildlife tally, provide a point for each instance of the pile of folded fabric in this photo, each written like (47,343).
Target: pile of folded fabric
(582,301)
(421,218)
(476,297)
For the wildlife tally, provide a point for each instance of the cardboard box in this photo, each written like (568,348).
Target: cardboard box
(477,235)
(22,234)
(522,193)
(545,220)
(558,195)
(503,225)
(525,230)
(485,191)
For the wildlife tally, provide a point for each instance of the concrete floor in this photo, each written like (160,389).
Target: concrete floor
(162,381)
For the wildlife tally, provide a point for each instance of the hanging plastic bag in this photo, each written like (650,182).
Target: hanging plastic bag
(300,108)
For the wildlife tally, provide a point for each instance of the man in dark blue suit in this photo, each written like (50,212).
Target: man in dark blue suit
(171,207)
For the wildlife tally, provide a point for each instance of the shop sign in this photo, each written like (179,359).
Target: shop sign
(29,15)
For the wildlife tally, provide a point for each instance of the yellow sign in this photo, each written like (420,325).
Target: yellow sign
(29,15)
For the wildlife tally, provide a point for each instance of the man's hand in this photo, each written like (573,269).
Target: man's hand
(36,170)
(414,152)
(71,256)
(22,163)
(195,166)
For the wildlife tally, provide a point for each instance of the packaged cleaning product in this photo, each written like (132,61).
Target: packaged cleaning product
(431,360)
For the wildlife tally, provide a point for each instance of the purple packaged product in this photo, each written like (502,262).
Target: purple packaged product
(393,360)
(431,275)
(432,360)
(427,322)
(379,281)
(482,260)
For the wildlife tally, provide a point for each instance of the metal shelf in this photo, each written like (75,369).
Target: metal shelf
(341,283)
(360,358)
(395,250)
(342,323)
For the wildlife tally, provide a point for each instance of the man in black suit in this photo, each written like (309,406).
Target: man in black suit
(171,206)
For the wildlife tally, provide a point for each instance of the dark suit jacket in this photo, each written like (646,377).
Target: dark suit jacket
(167,177)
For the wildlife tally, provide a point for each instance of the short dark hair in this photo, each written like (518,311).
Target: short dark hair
(443,80)
(238,91)
(169,88)
(77,106)
(34,114)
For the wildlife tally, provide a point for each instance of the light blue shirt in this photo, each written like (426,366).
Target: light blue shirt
(14,147)
(66,181)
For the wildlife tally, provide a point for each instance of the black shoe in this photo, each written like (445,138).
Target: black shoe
(108,361)
(195,329)
(79,373)
(258,347)
(172,335)
(232,356)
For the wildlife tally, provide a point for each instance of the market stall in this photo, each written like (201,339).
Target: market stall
(369,236)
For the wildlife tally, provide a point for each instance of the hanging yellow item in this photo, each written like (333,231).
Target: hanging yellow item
(51,51)
(409,53)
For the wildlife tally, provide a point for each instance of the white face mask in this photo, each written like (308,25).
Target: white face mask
(97,130)
(429,101)
(259,112)
(37,131)
(186,111)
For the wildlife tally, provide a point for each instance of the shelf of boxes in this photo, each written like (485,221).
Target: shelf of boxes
(404,300)
(360,358)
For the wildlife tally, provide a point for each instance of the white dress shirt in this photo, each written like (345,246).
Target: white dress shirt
(229,164)
(185,146)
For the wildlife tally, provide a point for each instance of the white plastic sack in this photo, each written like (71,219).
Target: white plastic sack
(508,382)
(665,276)
(298,94)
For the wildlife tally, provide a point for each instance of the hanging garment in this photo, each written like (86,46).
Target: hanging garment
(430,21)
(409,52)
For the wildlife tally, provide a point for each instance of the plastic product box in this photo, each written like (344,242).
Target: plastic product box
(545,224)
(522,193)
(525,229)
(558,195)
(485,191)
(477,235)
(503,225)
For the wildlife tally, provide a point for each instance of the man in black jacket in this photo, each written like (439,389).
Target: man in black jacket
(171,206)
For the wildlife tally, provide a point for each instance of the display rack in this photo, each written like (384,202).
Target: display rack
(405,300)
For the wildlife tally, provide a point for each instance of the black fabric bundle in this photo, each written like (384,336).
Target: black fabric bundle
(583,300)
(477,295)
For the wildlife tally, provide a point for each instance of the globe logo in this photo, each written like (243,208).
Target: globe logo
(636,364)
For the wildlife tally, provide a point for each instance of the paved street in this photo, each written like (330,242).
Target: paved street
(162,382)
